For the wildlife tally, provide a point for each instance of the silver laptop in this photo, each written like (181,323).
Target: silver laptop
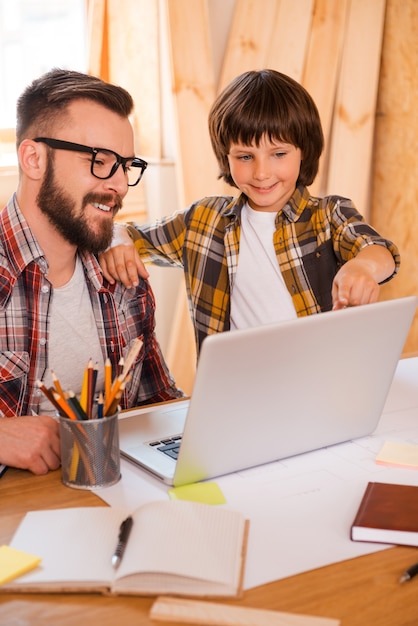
(274,391)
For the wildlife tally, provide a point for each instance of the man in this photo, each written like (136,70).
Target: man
(76,161)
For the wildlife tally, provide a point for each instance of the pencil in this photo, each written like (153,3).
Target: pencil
(64,406)
(113,392)
(76,406)
(90,391)
(100,403)
(111,408)
(57,383)
(48,393)
(130,359)
(108,378)
(84,391)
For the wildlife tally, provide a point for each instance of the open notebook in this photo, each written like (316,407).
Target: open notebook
(274,391)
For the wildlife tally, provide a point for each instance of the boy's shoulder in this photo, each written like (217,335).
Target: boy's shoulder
(212,208)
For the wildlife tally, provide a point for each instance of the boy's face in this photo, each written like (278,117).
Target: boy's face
(267,173)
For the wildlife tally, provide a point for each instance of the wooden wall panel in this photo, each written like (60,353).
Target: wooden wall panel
(287,51)
(321,70)
(395,179)
(349,165)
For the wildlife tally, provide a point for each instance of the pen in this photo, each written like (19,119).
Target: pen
(124,532)
(409,573)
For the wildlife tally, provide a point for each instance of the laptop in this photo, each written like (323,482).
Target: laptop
(271,392)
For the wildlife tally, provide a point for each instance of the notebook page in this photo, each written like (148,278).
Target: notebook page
(74,544)
(186,539)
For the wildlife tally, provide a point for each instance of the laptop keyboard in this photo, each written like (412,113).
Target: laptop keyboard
(169,446)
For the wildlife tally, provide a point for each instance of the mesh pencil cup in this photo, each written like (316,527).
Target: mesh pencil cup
(90,454)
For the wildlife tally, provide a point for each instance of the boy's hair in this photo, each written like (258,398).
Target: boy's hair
(45,100)
(266,103)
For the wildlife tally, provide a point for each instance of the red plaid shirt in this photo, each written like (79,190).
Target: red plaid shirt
(121,316)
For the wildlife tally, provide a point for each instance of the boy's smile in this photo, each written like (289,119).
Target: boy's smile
(267,173)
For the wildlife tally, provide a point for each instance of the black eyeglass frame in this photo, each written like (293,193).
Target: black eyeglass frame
(59,144)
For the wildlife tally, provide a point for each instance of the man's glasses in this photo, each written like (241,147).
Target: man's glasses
(104,163)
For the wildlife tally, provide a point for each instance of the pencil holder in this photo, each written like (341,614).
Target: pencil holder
(90,454)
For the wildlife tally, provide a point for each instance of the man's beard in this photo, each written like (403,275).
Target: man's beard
(61,212)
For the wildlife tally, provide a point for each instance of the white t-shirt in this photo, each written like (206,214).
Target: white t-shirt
(259,295)
(73,337)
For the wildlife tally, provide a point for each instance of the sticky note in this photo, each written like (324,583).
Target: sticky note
(398,454)
(14,563)
(207,493)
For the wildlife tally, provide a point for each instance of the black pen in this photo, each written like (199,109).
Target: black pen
(124,532)
(409,573)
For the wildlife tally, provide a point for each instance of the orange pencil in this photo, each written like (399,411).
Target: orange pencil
(108,378)
(57,383)
(64,406)
(115,389)
(111,408)
(90,390)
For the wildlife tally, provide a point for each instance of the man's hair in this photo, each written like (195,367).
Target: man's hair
(266,103)
(44,102)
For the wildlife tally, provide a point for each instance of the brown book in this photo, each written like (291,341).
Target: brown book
(174,548)
(387,514)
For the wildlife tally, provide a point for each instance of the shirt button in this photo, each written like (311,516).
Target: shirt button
(45,289)
(42,341)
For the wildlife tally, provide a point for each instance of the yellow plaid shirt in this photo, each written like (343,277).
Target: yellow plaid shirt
(313,238)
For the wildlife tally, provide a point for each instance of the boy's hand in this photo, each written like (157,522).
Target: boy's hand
(122,261)
(353,286)
(357,282)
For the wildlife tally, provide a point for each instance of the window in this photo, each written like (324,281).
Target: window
(35,36)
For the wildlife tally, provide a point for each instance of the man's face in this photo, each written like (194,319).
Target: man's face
(79,205)
(70,215)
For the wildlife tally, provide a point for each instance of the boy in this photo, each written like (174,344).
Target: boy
(274,252)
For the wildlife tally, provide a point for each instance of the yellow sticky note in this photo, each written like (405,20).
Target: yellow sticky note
(208,493)
(398,454)
(14,563)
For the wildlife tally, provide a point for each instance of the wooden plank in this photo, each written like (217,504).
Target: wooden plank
(251,32)
(353,127)
(288,45)
(135,64)
(395,185)
(96,25)
(325,49)
(194,91)
(184,611)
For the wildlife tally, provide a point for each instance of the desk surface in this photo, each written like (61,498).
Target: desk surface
(359,592)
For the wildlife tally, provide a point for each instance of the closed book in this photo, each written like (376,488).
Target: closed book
(175,548)
(388,513)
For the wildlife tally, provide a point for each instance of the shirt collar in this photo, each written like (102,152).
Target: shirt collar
(17,240)
(21,247)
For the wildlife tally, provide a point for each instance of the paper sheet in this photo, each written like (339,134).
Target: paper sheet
(301,509)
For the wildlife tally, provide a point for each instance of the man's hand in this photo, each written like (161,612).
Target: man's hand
(357,282)
(121,261)
(31,443)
